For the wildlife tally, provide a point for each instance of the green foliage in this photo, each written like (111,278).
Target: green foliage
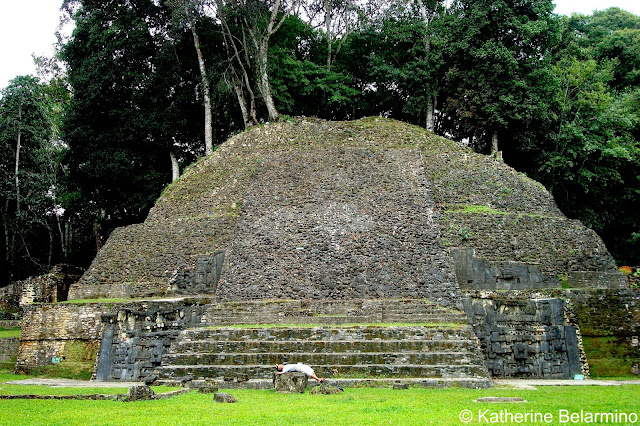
(413,406)
(30,173)
(609,356)
(561,94)
(497,79)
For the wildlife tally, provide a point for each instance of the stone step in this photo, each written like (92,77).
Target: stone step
(338,371)
(341,358)
(330,311)
(424,382)
(323,346)
(361,332)
(233,319)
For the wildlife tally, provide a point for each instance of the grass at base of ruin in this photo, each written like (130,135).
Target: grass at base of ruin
(8,333)
(353,406)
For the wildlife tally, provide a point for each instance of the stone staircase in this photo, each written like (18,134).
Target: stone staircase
(374,343)
(331,312)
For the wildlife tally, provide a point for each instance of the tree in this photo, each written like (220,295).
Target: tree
(248,27)
(29,175)
(403,48)
(186,13)
(117,164)
(591,162)
(302,84)
(338,18)
(498,69)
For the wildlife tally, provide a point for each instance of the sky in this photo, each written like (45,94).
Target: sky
(28,27)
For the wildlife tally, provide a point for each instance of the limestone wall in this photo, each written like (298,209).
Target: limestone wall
(340,224)
(54,335)
(8,351)
(556,245)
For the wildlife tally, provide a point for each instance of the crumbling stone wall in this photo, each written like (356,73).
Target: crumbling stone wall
(48,329)
(139,260)
(341,224)
(49,288)
(10,301)
(556,245)
(8,351)
(464,178)
(524,338)
(610,324)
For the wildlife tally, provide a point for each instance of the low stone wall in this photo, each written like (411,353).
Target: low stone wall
(58,335)
(8,351)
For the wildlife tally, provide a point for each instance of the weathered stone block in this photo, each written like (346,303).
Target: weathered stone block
(208,389)
(290,382)
(224,397)
(325,389)
(139,393)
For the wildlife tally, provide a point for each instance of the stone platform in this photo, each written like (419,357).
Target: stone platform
(367,355)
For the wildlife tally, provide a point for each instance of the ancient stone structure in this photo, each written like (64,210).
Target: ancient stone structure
(525,338)
(290,383)
(357,245)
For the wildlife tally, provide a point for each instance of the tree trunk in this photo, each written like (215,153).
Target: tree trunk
(208,120)
(242,101)
(430,124)
(50,257)
(7,240)
(265,87)
(62,238)
(96,233)
(240,83)
(175,167)
(327,24)
(17,165)
(494,143)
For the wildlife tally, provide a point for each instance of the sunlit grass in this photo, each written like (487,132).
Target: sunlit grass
(353,406)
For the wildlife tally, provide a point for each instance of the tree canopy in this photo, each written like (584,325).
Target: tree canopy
(151,85)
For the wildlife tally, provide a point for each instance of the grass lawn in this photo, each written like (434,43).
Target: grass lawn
(7,333)
(354,406)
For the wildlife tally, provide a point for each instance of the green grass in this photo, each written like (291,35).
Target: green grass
(414,406)
(7,333)
(14,389)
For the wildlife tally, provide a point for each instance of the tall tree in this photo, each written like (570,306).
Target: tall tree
(117,166)
(186,14)
(498,61)
(28,175)
(248,27)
